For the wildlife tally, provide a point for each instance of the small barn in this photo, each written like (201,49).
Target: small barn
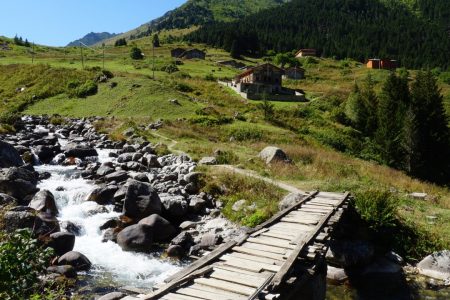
(377,63)
(177,52)
(193,53)
(306,52)
(294,73)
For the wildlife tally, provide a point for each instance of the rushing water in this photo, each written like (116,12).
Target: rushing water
(110,263)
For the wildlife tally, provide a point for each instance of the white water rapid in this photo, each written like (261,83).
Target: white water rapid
(110,263)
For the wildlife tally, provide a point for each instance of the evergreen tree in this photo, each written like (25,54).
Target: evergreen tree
(357,110)
(155,41)
(27,43)
(370,101)
(136,53)
(430,157)
(235,51)
(391,112)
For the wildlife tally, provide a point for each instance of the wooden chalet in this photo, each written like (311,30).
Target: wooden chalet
(387,64)
(306,52)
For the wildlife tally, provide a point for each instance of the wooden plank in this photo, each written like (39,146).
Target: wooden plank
(276,250)
(256,258)
(205,260)
(221,266)
(281,214)
(290,227)
(248,264)
(274,242)
(259,253)
(238,278)
(278,235)
(299,221)
(230,295)
(301,244)
(172,296)
(174,284)
(203,294)
(226,286)
(259,232)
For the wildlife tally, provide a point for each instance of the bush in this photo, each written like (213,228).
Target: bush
(377,207)
(246,134)
(210,121)
(77,90)
(226,157)
(120,42)
(170,68)
(9,117)
(22,260)
(183,87)
(210,77)
(136,53)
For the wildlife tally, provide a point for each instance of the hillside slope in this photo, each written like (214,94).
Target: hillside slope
(414,33)
(200,12)
(92,38)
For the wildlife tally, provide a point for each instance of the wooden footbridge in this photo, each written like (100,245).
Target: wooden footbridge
(272,261)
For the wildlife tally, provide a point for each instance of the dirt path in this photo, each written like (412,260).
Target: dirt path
(230,168)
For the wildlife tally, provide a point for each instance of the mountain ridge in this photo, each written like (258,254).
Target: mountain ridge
(92,38)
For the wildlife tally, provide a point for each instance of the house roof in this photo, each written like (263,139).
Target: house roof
(306,50)
(253,69)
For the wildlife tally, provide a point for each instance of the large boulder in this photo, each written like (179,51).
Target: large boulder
(137,237)
(19,183)
(62,242)
(103,195)
(273,154)
(117,176)
(44,201)
(79,151)
(9,157)
(436,265)
(67,271)
(75,259)
(46,153)
(141,200)
(163,231)
(112,296)
(290,200)
(174,205)
(22,217)
(6,200)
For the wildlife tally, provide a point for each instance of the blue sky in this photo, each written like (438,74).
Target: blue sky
(58,22)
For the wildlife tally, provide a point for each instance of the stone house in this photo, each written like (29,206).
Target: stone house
(193,53)
(177,52)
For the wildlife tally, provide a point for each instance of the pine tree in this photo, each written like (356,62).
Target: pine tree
(370,101)
(430,158)
(356,109)
(155,41)
(235,51)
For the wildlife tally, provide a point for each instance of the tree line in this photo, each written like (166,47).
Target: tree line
(406,123)
(358,29)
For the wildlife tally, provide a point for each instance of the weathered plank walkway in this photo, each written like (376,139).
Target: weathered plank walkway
(262,261)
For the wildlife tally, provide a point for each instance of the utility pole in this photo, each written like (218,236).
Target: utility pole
(32,54)
(82,57)
(103,56)
(153,68)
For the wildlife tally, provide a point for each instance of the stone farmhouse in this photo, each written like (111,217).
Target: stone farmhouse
(264,80)
(187,54)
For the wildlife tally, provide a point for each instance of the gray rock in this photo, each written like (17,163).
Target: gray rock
(103,195)
(184,239)
(436,265)
(76,260)
(19,218)
(175,251)
(67,271)
(208,161)
(238,205)
(44,201)
(348,253)
(175,206)
(336,275)
(289,200)
(72,228)
(141,200)
(163,231)
(7,200)
(46,153)
(104,170)
(197,204)
(210,240)
(117,176)
(9,157)
(112,296)
(273,154)
(151,161)
(79,151)
(62,242)
(137,237)
(19,183)
(110,234)
(193,177)
(187,225)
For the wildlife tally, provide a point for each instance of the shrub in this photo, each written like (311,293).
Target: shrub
(226,157)
(377,207)
(22,260)
(210,77)
(136,53)
(210,120)
(246,134)
(76,90)
(9,117)
(120,42)
(183,87)
(170,68)
(256,218)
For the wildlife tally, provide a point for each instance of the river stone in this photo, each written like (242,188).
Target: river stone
(137,237)
(175,251)
(208,161)
(273,154)
(44,201)
(19,183)
(290,200)
(79,151)
(6,200)
(112,296)
(184,239)
(117,176)
(163,231)
(62,242)
(110,234)
(436,265)
(104,170)
(141,200)
(75,259)
(239,205)
(45,153)
(66,270)
(336,275)
(174,205)
(9,156)
(20,217)
(210,240)
(103,195)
